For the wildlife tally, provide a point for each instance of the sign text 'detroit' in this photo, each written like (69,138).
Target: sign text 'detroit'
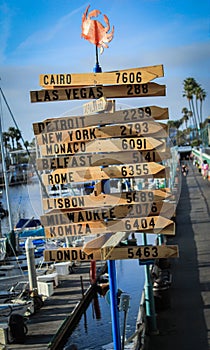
(132,115)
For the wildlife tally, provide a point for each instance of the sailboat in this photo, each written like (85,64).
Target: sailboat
(12,243)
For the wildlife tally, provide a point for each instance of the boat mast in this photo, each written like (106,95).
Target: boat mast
(5,171)
(34,165)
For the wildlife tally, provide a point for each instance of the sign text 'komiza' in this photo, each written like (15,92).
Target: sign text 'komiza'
(151,224)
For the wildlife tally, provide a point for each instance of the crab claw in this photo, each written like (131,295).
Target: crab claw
(94,13)
(106,20)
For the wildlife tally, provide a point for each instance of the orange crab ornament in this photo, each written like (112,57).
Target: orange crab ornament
(94,31)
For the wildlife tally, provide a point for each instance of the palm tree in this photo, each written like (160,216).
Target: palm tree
(190,85)
(174,124)
(185,117)
(15,135)
(191,89)
(202,97)
(6,139)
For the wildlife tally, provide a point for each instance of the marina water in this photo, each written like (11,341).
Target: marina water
(92,332)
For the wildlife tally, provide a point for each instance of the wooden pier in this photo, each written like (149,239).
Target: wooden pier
(47,328)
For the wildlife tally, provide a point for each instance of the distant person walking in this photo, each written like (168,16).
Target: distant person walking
(205,169)
(184,169)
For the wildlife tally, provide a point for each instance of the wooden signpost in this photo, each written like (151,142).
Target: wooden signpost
(87,148)
(127,76)
(132,115)
(104,200)
(102,159)
(95,147)
(92,133)
(142,252)
(108,91)
(100,105)
(118,253)
(139,170)
(151,224)
(110,145)
(66,217)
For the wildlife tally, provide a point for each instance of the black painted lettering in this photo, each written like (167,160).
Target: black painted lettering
(74,255)
(70,216)
(66,255)
(59,255)
(52,231)
(68,93)
(83,93)
(38,99)
(99,90)
(45,164)
(45,79)
(51,256)
(49,149)
(91,93)
(75,94)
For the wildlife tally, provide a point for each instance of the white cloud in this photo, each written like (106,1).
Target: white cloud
(45,35)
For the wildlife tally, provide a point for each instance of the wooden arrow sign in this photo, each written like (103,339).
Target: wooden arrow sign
(97,106)
(100,241)
(89,93)
(112,242)
(104,200)
(118,253)
(66,217)
(101,159)
(107,145)
(141,252)
(139,170)
(132,115)
(126,76)
(152,224)
(91,133)
(70,254)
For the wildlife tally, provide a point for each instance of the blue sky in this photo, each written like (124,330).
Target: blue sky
(44,36)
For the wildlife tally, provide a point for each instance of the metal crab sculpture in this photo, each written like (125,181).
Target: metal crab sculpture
(94,31)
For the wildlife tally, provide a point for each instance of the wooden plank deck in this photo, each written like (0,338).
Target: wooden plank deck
(44,324)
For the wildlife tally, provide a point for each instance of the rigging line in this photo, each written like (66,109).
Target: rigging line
(27,150)
(4,168)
